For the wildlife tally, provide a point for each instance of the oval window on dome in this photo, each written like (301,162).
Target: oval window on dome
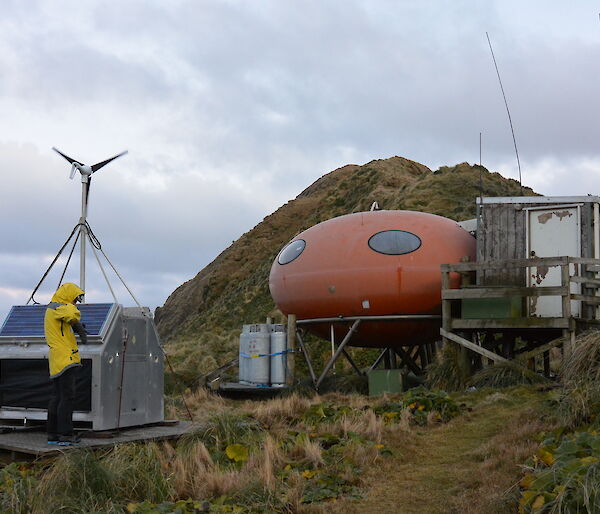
(291,251)
(394,242)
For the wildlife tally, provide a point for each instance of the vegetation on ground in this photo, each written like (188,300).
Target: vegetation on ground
(564,474)
(284,455)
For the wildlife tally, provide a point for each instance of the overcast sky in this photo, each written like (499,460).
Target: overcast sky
(230,108)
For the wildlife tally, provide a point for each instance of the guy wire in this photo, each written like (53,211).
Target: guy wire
(507,111)
(68,260)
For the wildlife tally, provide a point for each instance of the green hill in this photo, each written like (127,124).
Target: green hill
(201,318)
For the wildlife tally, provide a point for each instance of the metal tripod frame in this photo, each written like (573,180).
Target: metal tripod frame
(406,357)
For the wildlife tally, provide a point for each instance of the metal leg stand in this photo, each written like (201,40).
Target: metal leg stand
(337,353)
(353,364)
(307,358)
(408,360)
(378,360)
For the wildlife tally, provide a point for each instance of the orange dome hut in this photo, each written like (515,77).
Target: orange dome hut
(380,266)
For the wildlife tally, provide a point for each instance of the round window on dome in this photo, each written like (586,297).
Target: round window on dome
(394,242)
(291,251)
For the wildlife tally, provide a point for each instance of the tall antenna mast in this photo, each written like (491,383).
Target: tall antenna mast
(86,183)
(507,111)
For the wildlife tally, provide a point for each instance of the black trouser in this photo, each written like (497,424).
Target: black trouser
(62,402)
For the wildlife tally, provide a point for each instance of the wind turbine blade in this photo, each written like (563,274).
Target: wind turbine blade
(73,170)
(99,165)
(65,156)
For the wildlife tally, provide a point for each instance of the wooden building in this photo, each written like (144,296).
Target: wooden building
(535,277)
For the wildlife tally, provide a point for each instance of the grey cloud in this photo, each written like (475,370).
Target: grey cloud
(231,108)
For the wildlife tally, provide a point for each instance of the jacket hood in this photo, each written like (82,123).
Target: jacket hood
(66,293)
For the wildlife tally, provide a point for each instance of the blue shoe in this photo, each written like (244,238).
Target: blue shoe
(68,440)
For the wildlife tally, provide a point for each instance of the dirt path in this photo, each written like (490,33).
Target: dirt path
(458,467)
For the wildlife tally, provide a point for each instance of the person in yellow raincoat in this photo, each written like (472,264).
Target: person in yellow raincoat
(62,319)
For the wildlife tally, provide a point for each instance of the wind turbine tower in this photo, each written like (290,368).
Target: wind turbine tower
(86,183)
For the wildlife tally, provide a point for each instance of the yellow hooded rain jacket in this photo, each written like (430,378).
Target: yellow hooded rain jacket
(60,314)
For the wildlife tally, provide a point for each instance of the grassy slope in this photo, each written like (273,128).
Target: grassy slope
(468,465)
(202,317)
(301,460)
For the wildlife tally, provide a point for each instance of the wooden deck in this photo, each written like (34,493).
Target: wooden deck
(34,443)
(545,332)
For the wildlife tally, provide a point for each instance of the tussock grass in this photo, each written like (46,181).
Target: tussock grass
(286,409)
(446,372)
(271,460)
(364,423)
(580,375)
(137,471)
(308,451)
(223,429)
(362,456)
(77,482)
(500,375)
(203,403)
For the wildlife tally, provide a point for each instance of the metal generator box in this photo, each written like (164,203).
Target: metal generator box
(385,381)
(120,383)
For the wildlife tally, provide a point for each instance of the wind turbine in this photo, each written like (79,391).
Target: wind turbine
(86,182)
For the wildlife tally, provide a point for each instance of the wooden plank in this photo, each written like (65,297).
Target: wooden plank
(509,323)
(564,281)
(589,282)
(517,263)
(502,276)
(472,346)
(587,299)
(595,322)
(501,292)
(35,443)
(589,262)
(512,240)
(446,304)
(539,350)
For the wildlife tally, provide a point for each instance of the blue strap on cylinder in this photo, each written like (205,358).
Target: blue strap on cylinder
(255,355)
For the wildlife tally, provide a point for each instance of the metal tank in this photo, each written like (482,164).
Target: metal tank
(257,356)
(278,355)
(244,357)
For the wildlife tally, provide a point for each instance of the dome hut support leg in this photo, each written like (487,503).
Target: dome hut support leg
(352,363)
(408,360)
(337,353)
(387,358)
(378,360)
(304,351)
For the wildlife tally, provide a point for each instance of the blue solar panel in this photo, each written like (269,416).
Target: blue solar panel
(28,320)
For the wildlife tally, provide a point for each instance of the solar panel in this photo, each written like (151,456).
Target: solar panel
(28,320)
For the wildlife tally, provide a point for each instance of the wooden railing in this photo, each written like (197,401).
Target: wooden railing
(584,274)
